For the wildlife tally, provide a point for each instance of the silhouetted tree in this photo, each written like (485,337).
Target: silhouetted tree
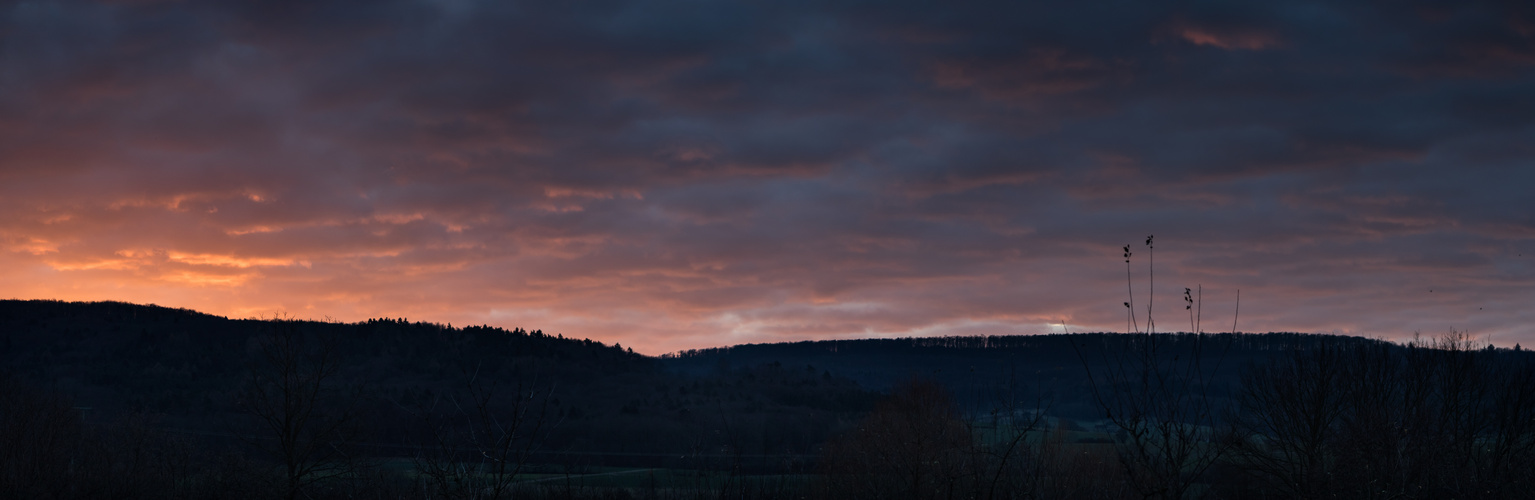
(1154,391)
(1443,418)
(913,445)
(302,421)
(1287,420)
(482,439)
(1017,455)
(1505,457)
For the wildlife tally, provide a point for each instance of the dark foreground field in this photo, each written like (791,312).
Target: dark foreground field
(111,400)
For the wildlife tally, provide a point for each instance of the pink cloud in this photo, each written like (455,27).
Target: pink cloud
(652,179)
(1228,39)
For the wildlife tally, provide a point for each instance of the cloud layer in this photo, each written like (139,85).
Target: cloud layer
(681,174)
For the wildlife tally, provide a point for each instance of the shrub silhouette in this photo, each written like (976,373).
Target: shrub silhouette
(913,445)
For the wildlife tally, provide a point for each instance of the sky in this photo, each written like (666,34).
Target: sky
(683,174)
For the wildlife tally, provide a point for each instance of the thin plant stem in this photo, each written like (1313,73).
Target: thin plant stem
(1151,269)
(1130,306)
(1238,312)
(1188,305)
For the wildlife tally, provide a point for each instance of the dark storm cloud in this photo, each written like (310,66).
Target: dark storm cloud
(678,174)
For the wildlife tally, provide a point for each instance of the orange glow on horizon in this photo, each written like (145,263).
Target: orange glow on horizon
(776,173)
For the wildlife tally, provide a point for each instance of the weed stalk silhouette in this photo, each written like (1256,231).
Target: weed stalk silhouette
(1193,298)
(1238,312)
(1129,288)
(1151,291)
(1188,305)
(1159,399)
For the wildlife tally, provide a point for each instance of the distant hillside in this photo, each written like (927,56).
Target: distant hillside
(150,358)
(114,400)
(1050,369)
(188,368)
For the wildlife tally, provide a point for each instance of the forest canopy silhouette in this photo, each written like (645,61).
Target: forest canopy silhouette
(128,401)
